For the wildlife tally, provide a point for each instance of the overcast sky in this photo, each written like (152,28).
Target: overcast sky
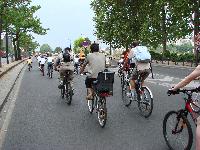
(67,20)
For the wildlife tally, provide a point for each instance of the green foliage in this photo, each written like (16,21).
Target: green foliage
(58,50)
(78,45)
(152,22)
(45,48)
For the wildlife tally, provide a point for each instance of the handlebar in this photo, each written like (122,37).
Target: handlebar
(185,91)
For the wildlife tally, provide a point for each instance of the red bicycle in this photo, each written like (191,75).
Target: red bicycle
(177,130)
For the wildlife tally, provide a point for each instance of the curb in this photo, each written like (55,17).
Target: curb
(8,94)
(4,72)
(175,66)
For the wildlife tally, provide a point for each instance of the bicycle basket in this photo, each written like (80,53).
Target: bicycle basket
(105,82)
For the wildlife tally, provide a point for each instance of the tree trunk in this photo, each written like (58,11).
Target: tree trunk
(196,29)
(164,32)
(18,47)
(15,48)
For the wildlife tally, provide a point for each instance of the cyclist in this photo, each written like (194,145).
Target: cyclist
(142,68)
(49,62)
(192,76)
(76,63)
(65,65)
(39,58)
(96,62)
(42,62)
(29,61)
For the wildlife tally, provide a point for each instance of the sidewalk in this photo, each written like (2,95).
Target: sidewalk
(6,67)
(8,76)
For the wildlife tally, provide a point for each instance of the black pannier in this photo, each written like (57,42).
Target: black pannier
(105,82)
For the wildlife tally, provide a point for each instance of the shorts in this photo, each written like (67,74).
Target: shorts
(144,74)
(89,82)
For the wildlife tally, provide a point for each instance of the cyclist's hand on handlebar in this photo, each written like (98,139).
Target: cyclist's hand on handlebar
(172,92)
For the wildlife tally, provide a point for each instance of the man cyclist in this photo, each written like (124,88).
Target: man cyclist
(49,62)
(96,63)
(65,65)
(38,59)
(42,62)
(142,68)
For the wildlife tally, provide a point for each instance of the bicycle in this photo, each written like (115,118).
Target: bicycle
(29,67)
(179,121)
(66,90)
(121,74)
(143,95)
(42,69)
(50,70)
(103,87)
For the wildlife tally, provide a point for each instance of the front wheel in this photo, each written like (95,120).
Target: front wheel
(145,102)
(177,131)
(125,98)
(68,93)
(102,111)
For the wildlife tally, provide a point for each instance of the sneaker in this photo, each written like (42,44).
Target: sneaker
(128,94)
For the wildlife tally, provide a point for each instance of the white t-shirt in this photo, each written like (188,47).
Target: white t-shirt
(38,58)
(76,60)
(49,59)
(42,61)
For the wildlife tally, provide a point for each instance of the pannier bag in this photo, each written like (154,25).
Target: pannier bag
(141,54)
(105,82)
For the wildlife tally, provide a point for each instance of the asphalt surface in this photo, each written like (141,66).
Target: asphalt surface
(41,120)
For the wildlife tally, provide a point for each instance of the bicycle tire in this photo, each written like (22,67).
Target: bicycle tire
(63,92)
(68,94)
(29,68)
(102,111)
(145,102)
(126,100)
(51,72)
(185,124)
(90,104)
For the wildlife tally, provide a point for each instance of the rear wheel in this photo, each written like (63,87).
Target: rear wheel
(177,131)
(102,112)
(145,102)
(90,104)
(126,100)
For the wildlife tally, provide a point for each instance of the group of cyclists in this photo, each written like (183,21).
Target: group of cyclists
(95,62)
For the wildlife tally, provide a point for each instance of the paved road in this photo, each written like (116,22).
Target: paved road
(41,120)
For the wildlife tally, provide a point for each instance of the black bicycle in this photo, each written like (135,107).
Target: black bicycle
(143,95)
(66,90)
(103,87)
(177,130)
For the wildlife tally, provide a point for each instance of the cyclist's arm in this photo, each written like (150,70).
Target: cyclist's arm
(188,79)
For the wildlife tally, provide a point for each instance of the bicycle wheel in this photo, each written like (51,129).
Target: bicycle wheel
(90,104)
(126,100)
(177,131)
(122,80)
(68,93)
(63,92)
(102,111)
(145,102)
(29,68)
(51,72)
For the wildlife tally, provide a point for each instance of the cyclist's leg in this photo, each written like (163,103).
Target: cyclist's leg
(88,83)
(198,134)
(144,75)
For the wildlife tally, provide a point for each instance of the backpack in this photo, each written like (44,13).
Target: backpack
(141,54)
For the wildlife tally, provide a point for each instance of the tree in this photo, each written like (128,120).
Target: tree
(45,48)
(78,44)
(58,50)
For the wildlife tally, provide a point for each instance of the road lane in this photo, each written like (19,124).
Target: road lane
(41,120)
